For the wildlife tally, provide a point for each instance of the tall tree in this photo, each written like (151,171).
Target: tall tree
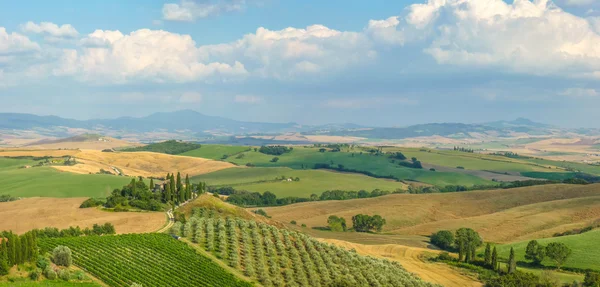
(151,184)
(188,188)
(172,185)
(179,185)
(488,255)
(495,259)
(467,240)
(512,262)
(4,267)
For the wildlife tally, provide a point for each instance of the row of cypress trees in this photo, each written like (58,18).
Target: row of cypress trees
(15,249)
(175,191)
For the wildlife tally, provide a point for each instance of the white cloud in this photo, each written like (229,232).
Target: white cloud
(147,55)
(190,10)
(50,29)
(190,98)
(529,37)
(247,99)
(580,93)
(15,43)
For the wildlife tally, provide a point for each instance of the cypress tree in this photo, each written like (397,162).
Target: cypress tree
(4,267)
(488,255)
(494,259)
(172,184)
(179,185)
(188,190)
(151,184)
(512,262)
(167,192)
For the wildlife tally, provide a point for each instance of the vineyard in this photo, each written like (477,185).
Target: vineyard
(147,259)
(277,257)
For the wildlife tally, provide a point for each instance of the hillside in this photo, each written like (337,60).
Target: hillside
(169,147)
(83,141)
(498,215)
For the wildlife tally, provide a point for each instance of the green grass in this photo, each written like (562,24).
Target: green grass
(49,182)
(215,151)
(306,158)
(549,175)
(586,251)
(311,181)
(148,259)
(46,283)
(572,166)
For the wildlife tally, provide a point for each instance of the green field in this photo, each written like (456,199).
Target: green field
(306,158)
(49,182)
(260,179)
(586,254)
(212,151)
(147,259)
(47,283)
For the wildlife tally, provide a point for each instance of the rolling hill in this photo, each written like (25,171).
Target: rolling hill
(498,215)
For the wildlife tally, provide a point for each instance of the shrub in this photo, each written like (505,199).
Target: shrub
(61,255)
(275,159)
(49,273)
(42,262)
(64,274)
(80,275)
(293,222)
(35,274)
(444,256)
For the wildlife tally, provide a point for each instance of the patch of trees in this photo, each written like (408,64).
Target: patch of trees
(249,199)
(7,198)
(97,229)
(366,223)
(168,147)
(510,155)
(469,150)
(275,149)
(577,230)
(137,194)
(337,224)
(414,163)
(397,155)
(91,202)
(16,249)
(443,239)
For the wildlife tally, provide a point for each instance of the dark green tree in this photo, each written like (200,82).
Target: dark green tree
(4,267)
(495,259)
(336,223)
(592,279)
(535,252)
(443,239)
(467,240)
(151,184)
(179,185)
(173,191)
(488,255)
(558,252)
(512,262)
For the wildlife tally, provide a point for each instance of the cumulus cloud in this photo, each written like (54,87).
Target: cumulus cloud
(247,99)
(50,29)
(190,10)
(15,43)
(147,55)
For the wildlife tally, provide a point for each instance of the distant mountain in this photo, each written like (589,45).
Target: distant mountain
(185,120)
(519,122)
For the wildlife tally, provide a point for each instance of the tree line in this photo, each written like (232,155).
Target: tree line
(16,249)
(247,198)
(172,191)
(275,149)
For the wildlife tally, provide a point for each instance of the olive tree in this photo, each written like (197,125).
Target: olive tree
(62,256)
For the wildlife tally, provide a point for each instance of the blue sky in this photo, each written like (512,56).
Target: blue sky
(384,63)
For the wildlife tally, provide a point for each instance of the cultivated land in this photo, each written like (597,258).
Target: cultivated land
(311,181)
(306,158)
(216,151)
(23,215)
(498,215)
(46,181)
(144,164)
(586,254)
(414,260)
(85,141)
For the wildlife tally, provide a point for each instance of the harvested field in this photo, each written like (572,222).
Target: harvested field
(499,215)
(413,259)
(30,213)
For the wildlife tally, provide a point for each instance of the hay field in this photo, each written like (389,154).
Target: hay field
(30,213)
(499,215)
(413,260)
(144,164)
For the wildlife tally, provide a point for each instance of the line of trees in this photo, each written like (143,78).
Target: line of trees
(97,229)
(16,249)
(463,149)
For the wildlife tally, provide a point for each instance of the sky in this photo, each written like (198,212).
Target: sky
(378,63)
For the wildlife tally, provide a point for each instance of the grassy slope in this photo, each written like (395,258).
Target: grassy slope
(498,215)
(586,253)
(311,181)
(380,165)
(215,151)
(48,182)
